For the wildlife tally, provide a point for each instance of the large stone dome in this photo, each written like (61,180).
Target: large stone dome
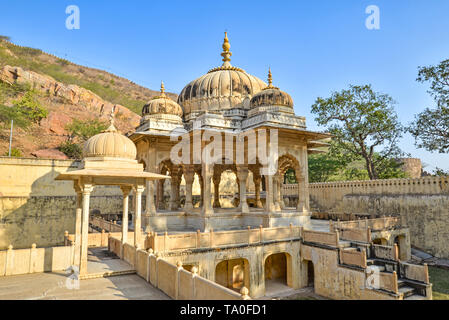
(110,144)
(162,105)
(221,88)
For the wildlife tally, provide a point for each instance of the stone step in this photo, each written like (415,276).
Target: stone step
(401,283)
(415,297)
(407,291)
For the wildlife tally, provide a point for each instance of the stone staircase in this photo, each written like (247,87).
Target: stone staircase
(410,289)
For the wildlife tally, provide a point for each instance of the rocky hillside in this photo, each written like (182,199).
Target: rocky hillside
(67,92)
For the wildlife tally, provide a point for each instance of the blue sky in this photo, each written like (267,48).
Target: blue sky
(313,47)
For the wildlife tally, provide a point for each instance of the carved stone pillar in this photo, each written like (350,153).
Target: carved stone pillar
(303,192)
(189,176)
(87,190)
(216,179)
(125,190)
(242,174)
(160,195)
(174,189)
(138,215)
(207,172)
(277,192)
(78,217)
(269,203)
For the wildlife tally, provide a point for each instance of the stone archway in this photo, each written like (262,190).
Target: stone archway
(233,273)
(277,272)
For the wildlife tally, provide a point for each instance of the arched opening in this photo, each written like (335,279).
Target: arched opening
(381,241)
(277,272)
(228,189)
(310,274)
(290,176)
(233,274)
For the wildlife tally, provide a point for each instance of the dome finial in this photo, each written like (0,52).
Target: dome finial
(226,54)
(270,78)
(111,119)
(162,88)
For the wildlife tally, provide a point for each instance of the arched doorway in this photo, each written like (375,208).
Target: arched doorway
(233,273)
(277,272)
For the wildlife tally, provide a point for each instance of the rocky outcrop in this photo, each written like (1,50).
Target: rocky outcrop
(50,154)
(72,93)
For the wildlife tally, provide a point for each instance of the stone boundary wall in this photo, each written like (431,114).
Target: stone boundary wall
(174,281)
(34,260)
(422,204)
(34,208)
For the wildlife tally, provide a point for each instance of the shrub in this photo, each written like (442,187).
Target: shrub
(72,150)
(14,153)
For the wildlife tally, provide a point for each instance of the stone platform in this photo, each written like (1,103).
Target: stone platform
(101,263)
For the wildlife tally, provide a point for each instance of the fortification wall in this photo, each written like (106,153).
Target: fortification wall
(423,205)
(34,208)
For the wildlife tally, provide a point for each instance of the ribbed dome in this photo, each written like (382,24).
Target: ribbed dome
(271,96)
(221,88)
(110,143)
(162,104)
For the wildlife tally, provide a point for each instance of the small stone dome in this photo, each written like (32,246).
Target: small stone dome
(271,96)
(162,105)
(222,88)
(111,144)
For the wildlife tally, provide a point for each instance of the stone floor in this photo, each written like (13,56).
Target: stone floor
(101,262)
(53,286)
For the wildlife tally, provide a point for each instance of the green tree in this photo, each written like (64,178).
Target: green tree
(361,121)
(83,130)
(79,132)
(430,128)
(30,107)
(340,165)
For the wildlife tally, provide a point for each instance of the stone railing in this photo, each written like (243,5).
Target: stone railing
(385,252)
(97,239)
(192,240)
(105,224)
(32,260)
(326,238)
(388,281)
(353,257)
(173,280)
(424,185)
(290,189)
(414,272)
(374,224)
(358,235)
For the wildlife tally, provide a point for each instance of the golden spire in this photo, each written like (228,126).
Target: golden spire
(162,89)
(270,81)
(226,54)
(270,78)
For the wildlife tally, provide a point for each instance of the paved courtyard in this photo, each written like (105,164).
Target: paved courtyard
(52,286)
